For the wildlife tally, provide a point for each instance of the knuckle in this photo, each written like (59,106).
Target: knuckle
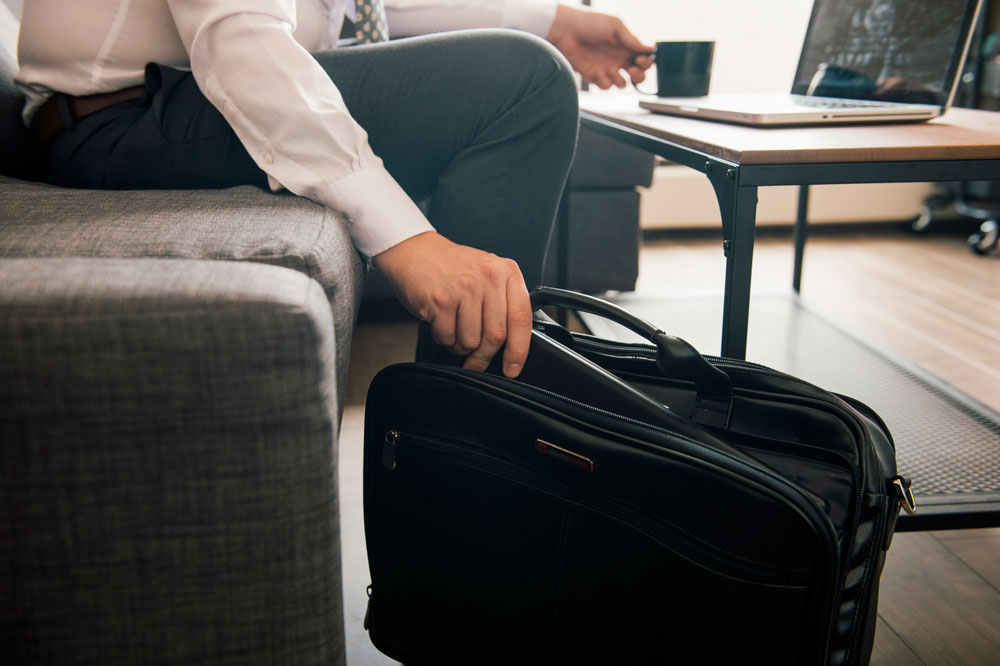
(475,362)
(466,282)
(495,337)
(443,299)
(521,317)
(445,340)
(491,272)
(495,270)
(510,266)
(469,342)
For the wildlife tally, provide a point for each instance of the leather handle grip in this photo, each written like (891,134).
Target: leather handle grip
(573,300)
(674,357)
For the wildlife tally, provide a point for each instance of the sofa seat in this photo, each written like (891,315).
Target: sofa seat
(238,224)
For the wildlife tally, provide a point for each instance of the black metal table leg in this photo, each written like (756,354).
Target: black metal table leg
(801,233)
(738,205)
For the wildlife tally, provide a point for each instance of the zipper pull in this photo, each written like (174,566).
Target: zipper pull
(368,608)
(389,449)
(901,488)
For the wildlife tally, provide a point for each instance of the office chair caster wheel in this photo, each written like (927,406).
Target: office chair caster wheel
(985,240)
(926,216)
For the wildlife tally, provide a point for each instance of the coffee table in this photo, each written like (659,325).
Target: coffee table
(946,441)
(962,145)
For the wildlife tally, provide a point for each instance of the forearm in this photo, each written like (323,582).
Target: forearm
(293,121)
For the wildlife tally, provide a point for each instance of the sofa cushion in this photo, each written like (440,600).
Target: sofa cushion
(236,224)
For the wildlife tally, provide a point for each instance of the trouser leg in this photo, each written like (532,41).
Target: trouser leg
(481,123)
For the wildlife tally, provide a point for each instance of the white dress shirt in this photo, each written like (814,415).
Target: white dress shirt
(251,59)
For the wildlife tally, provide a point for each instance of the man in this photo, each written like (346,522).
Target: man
(215,93)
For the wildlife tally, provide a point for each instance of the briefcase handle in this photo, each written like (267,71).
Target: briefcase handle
(674,357)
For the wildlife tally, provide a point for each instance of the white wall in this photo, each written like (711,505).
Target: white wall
(8,22)
(757,49)
(15,6)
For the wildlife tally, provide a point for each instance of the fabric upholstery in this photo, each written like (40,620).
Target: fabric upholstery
(167,464)
(172,366)
(237,224)
(603,163)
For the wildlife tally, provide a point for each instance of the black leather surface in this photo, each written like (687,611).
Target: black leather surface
(484,550)
(577,515)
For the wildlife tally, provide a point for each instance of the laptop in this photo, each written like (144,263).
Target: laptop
(863,61)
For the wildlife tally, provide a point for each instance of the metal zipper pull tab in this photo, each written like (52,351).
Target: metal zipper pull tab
(368,608)
(389,449)
(901,487)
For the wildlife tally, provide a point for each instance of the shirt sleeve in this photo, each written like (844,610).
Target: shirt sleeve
(291,118)
(418,17)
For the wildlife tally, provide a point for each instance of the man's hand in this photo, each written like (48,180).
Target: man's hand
(473,300)
(599,47)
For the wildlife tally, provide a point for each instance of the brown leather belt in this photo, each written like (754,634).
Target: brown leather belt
(62,111)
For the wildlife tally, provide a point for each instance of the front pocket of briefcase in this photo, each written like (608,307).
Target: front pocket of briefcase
(460,558)
(479,560)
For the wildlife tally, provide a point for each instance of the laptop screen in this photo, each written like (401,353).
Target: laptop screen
(889,50)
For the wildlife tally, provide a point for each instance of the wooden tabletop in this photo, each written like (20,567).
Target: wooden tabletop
(960,134)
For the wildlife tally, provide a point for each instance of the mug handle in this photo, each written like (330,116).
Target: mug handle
(651,54)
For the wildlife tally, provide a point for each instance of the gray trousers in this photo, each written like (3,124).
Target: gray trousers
(482,124)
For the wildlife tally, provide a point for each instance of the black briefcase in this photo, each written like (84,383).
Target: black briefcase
(622,504)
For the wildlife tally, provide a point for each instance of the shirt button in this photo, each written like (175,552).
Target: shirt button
(268,158)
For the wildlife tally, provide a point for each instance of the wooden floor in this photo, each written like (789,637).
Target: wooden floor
(927,298)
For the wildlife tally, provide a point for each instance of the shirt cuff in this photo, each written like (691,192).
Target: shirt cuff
(534,16)
(379,213)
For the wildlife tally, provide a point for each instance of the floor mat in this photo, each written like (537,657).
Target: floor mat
(948,444)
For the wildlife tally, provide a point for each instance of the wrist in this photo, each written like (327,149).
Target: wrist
(533,16)
(565,15)
(400,254)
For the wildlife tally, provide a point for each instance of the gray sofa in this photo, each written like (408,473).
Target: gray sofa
(172,366)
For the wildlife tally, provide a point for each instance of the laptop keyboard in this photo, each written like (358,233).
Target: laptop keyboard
(836,103)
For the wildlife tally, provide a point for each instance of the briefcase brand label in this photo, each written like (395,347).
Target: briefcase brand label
(564,455)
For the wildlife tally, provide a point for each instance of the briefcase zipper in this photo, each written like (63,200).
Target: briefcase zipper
(743,460)
(389,449)
(719,562)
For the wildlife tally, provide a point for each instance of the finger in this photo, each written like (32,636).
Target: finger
(441,315)
(443,329)
(600,80)
(643,62)
(637,75)
(469,320)
(616,79)
(519,316)
(493,320)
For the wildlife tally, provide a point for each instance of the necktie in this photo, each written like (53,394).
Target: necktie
(370,24)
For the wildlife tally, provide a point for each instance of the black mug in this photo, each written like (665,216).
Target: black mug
(683,69)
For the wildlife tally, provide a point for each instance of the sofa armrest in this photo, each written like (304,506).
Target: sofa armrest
(168,486)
